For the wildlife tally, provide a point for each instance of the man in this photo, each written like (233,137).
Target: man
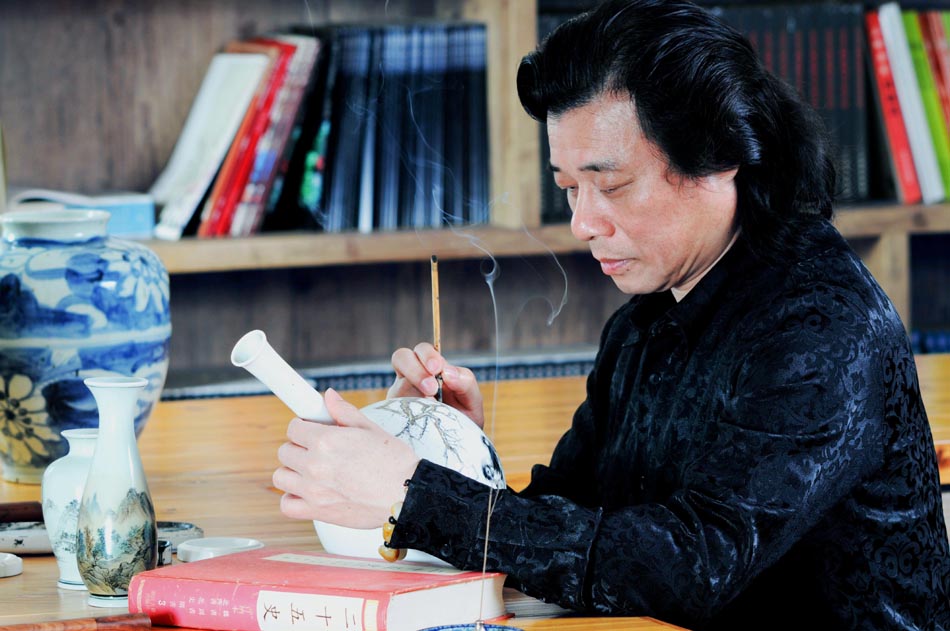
(753,451)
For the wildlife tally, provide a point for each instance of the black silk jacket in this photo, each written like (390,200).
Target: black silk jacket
(754,457)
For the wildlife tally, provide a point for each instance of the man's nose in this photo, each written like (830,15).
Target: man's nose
(589,218)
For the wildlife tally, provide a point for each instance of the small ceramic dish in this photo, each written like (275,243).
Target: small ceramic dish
(25,537)
(176,532)
(198,549)
(10,565)
(31,537)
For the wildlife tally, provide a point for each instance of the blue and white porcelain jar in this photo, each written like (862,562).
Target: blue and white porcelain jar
(74,303)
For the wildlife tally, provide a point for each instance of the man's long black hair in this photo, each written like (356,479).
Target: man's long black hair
(703,97)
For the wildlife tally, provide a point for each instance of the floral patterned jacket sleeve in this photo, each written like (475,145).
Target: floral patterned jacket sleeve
(756,447)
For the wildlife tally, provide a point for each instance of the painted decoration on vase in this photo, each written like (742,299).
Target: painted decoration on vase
(117,534)
(436,432)
(115,543)
(72,305)
(441,434)
(63,484)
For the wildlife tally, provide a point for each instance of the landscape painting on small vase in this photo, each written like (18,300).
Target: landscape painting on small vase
(108,562)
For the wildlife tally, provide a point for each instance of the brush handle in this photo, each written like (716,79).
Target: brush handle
(253,353)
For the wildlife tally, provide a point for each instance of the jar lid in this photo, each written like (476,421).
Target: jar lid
(71,224)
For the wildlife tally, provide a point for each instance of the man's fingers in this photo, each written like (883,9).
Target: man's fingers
(287,480)
(296,507)
(344,412)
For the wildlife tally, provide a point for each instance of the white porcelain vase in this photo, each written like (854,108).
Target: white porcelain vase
(63,484)
(117,536)
(436,432)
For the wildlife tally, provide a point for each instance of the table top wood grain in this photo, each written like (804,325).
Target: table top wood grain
(209,462)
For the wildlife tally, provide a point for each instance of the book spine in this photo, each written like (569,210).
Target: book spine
(859,101)
(171,601)
(3,175)
(908,93)
(928,93)
(250,213)
(902,160)
(938,53)
(232,194)
(214,204)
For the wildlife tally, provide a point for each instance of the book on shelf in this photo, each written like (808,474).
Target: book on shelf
(3,174)
(296,199)
(406,144)
(271,589)
(394,68)
(476,190)
(938,54)
(935,121)
(251,206)
(911,102)
(218,212)
(892,131)
(225,93)
(819,50)
(348,127)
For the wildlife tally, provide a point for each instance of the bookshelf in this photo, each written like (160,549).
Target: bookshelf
(94,100)
(286,250)
(880,234)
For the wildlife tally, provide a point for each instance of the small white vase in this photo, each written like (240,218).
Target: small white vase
(117,535)
(63,484)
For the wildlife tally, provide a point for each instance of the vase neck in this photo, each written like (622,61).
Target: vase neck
(117,399)
(82,442)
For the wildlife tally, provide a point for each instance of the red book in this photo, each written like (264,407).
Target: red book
(249,213)
(895,132)
(244,148)
(214,205)
(938,52)
(269,589)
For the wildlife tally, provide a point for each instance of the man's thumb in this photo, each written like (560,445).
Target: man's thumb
(344,412)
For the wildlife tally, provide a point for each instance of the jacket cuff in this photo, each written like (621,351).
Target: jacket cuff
(443,514)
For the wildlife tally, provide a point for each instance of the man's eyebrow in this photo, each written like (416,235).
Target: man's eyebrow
(597,167)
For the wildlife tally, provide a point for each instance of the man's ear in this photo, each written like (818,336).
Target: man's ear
(721,182)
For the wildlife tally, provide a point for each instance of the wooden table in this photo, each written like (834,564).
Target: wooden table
(934,373)
(210,461)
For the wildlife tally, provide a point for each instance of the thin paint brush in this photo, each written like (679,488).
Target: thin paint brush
(436,323)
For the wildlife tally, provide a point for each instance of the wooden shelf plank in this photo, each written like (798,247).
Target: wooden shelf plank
(873,221)
(283,250)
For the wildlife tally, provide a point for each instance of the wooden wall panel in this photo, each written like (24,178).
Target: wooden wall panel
(334,314)
(96,92)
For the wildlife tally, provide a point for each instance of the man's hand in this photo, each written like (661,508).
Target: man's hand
(415,377)
(349,474)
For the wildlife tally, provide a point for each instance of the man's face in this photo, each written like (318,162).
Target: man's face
(651,230)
